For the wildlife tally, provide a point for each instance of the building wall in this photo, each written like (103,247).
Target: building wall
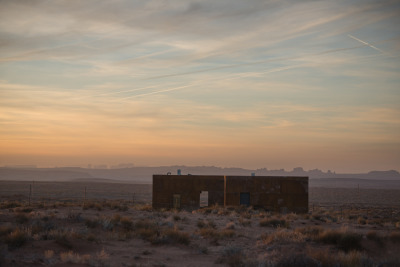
(189,188)
(282,194)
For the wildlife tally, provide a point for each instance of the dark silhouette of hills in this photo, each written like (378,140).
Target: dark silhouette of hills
(144,174)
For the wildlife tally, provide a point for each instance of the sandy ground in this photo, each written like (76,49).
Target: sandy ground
(124,233)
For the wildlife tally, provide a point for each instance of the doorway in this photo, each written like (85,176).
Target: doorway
(176,201)
(203,199)
(245,199)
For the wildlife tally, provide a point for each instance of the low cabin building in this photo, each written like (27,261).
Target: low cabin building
(274,193)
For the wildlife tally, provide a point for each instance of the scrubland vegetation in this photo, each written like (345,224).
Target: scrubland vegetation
(122,233)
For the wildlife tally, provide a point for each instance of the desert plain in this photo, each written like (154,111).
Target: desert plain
(113,224)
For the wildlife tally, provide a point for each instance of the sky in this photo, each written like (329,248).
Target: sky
(252,84)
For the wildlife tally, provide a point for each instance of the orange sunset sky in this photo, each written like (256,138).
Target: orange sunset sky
(252,84)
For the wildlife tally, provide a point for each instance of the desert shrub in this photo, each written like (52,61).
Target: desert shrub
(49,257)
(5,230)
(232,256)
(123,207)
(126,223)
(392,262)
(10,205)
(116,218)
(149,234)
(216,234)
(38,226)
(298,260)
(48,254)
(244,222)
(373,236)
(63,241)
(176,236)
(144,223)
(101,259)
(208,232)
(342,239)
(26,210)
(107,224)
(91,237)
(230,225)
(274,222)
(74,216)
(206,224)
(361,221)
(21,218)
(91,223)
(394,237)
(147,230)
(71,257)
(354,258)
(201,224)
(324,257)
(146,207)
(15,239)
(283,236)
(176,217)
(311,232)
(225,233)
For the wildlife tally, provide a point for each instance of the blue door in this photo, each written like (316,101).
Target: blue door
(245,199)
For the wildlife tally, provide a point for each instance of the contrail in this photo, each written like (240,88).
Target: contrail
(367,44)
(250,63)
(126,91)
(160,91)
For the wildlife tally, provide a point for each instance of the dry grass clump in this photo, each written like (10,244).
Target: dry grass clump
(274,222)
(283,236)
(5,230)
(71,257)
(126,223)
(244,222)
(216,234)
(175,236)
(296,259)
(311,232)
(147,229)
(214,209)
(206,224)
(232,256)
(328,258)
(16,238)
(145,207)
(63,241)
(48,254)
(21,218)
(361,220)
(394,237)
(373,236)
(10,204)
(343,239)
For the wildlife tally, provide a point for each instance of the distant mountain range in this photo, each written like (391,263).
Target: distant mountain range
(144,174)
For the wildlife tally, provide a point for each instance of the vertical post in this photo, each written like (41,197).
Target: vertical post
(224,191)
(30,193)
(84,198)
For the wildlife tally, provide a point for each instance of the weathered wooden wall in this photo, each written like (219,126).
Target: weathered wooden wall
(282,194)
(189,187)
(276,193)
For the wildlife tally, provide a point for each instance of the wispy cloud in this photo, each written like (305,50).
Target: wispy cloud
(254,75)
